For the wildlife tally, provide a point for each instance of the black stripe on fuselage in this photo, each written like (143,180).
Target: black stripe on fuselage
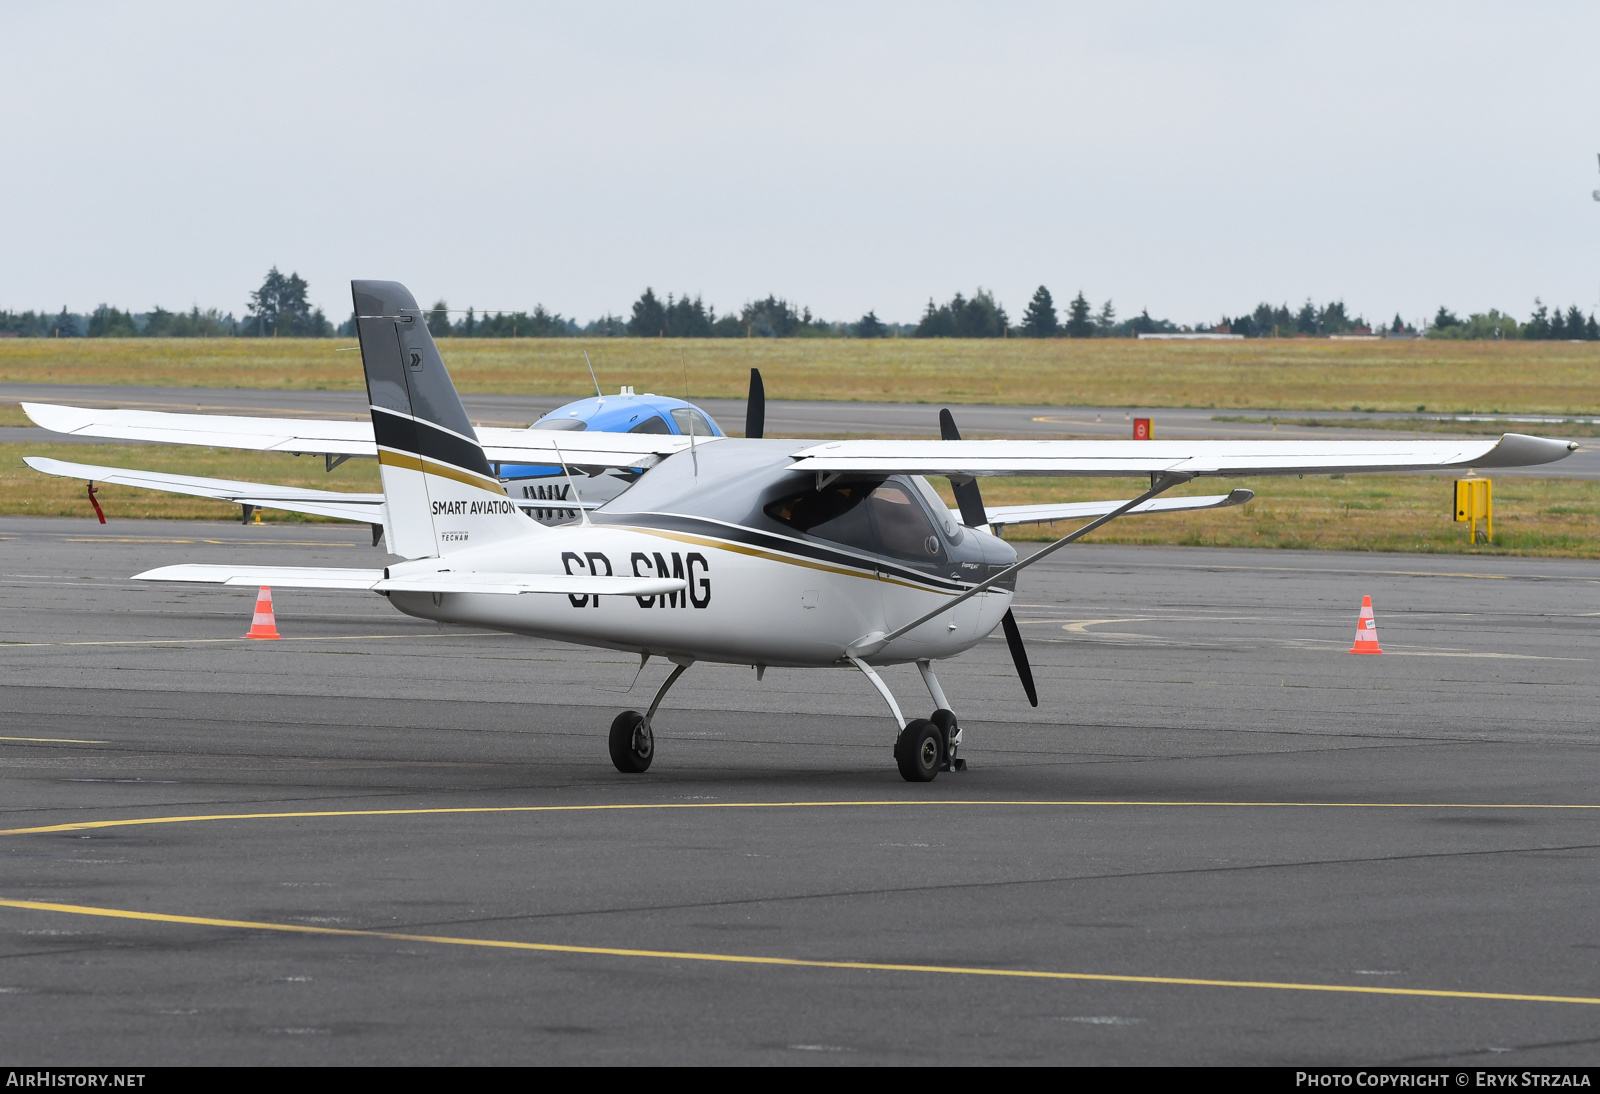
(784,545)
(420,438)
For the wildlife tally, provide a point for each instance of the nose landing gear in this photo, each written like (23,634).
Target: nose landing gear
(928,746)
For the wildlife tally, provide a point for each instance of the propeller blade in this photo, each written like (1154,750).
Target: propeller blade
(1019,655)
(973,515)
(968,500)
(755,410)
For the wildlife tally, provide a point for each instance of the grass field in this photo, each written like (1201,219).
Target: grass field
(1552,518)
(1429,425)
(1545,517)
(1300,374)
(24,491)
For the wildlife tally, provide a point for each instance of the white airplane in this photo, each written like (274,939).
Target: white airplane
(767,553)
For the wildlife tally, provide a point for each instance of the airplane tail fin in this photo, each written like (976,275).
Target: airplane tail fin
(441,494)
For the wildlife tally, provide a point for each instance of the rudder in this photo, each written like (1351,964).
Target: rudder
(440,492)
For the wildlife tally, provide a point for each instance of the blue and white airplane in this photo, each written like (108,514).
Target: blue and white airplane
(624,412)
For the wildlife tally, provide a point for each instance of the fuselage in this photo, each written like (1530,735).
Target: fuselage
(764,586)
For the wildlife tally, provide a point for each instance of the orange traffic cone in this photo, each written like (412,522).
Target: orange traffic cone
(1366,630)
(264,625)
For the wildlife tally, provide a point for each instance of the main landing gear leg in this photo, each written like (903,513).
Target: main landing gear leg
(632,744)
(919,750)
(945,719)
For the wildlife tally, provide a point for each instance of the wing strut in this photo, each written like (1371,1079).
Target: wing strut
(1160,482)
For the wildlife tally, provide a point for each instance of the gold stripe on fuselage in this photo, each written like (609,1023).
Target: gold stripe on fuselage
(775,556)
(443,470)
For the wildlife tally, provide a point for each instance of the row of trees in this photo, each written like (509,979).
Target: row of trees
(281,308)
(538,323)
(1544,325)
(108,322)
(690,317)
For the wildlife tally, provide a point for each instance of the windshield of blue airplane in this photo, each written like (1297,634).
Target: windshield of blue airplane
(629,413)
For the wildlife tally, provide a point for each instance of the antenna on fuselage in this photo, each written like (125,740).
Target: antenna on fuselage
(598,394)
(694,454)
(583,514)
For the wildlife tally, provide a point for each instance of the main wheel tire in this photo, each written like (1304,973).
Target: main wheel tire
(919,751)
(632,744)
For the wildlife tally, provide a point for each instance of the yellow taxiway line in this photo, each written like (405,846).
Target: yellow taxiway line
(79,826)
(787,962)
(55,740)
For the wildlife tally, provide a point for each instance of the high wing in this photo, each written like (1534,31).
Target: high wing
(329,437)
(976,458)
(344,438)
(1002,515)
(444,581)
(367,508)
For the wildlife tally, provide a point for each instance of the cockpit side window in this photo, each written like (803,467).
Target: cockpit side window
(834,513)
(653,424)
(903,527)
(573,424)
(691,420)
(877,517)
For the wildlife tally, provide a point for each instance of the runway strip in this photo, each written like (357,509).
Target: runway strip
(789,962)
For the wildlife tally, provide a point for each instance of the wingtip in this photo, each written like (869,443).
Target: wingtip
(1522,450)
(37,412)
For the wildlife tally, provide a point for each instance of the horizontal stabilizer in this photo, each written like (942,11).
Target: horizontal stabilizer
(262,495)
(287,577)
(1000,515)
(442,581)
(1289,457)
(589,448)
(575,584)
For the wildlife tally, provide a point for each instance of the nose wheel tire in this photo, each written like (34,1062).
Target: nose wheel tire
(946,721)
(919,751)
(632,744)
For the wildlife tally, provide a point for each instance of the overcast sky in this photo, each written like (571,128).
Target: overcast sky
(1192,159)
